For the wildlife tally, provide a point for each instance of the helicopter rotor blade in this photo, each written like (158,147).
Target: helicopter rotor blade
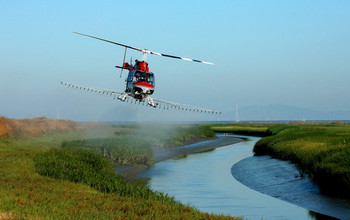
(182,58)
(147,51)
(123,45)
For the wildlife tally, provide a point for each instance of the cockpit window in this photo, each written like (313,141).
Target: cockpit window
(150,78)
(140,76)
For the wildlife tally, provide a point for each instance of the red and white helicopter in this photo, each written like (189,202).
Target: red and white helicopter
(140,82)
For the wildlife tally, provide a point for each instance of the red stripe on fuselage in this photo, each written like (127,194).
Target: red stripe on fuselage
(143,84)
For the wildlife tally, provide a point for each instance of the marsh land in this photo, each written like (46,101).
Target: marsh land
(61,169)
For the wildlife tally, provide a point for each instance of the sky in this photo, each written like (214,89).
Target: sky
(266,52)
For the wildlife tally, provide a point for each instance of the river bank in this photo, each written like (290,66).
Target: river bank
(131,172)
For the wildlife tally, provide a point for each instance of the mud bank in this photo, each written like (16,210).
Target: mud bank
(282,180)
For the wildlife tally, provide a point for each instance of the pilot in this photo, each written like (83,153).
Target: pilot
(136,77)
(136,62)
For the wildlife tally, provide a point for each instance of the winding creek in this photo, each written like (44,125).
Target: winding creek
(208,181)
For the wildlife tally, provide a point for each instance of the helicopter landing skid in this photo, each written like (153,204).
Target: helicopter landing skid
(122,97)
(151,102)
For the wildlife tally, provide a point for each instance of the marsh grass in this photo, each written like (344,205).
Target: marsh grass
(120,150)
(92,169)
(254,129)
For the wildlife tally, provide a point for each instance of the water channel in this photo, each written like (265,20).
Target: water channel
(204,180)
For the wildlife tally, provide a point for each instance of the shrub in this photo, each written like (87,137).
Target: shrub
(90,168)
(77,166)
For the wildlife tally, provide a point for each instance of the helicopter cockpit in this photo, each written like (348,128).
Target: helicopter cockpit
(142,76)
(137,78)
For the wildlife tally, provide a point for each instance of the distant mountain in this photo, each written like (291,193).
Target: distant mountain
(283,112)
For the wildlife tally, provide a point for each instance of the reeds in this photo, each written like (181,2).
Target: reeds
(254,129)
(120,150)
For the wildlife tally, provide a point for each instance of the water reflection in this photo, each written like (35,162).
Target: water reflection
(204,180)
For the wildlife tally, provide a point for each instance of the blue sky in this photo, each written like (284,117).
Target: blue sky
(267,52)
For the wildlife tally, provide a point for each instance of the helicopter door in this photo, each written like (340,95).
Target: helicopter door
(129,85)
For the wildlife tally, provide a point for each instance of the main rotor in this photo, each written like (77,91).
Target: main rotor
(145,51)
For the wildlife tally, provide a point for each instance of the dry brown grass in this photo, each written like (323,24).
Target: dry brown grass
(36,126)
(6,216)
(5,128)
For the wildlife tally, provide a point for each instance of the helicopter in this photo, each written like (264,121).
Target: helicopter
(140,82)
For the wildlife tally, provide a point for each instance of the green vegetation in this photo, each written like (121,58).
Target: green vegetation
(320,150)
(120,150)
(77,183)
(254,129)
(87,167)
